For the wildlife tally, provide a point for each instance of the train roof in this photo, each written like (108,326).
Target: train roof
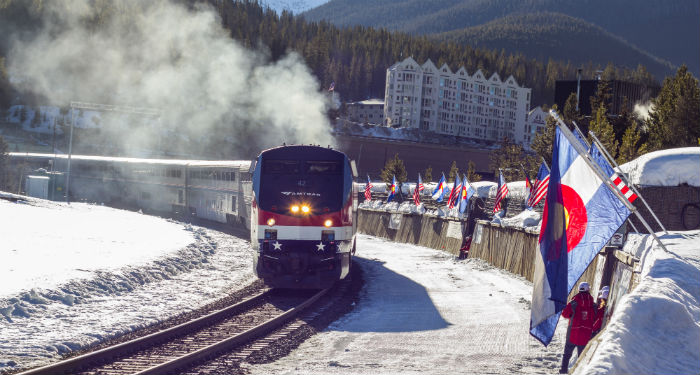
(180,162)
(298,150)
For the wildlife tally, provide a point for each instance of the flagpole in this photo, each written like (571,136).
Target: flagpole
(580,133)
(597,170)
(624,178)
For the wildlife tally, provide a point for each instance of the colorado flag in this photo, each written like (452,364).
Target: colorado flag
(580,215)
(439,191)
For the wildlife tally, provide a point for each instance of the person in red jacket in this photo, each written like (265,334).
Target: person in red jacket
(582,314)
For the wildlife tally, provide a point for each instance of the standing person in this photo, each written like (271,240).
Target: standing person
(582,314)
(601,305)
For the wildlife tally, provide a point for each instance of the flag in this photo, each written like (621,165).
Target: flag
(502,192)
(439,191)
(539,187)
(332,86)
(467,192)
(417,190)
(368,189)
(528,184)
(455,193)
(392,190)
(580,215)
(610,172)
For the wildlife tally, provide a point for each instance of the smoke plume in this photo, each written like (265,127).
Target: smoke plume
(212,93)
(642,110)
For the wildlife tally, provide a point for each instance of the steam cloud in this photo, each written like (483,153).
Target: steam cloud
(179,60)
(642,110)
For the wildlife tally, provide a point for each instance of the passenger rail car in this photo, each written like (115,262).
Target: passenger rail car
(213,190)
(303,216)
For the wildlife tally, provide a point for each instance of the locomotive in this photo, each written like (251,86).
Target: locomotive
(303,216)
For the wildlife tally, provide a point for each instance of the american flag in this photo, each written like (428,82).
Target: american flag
(539,188)
(502,192)
(614,177)
(417,190)
(455,193)
(368,189)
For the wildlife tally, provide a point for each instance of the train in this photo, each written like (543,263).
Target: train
(299,202)
(303,216)
(219,191)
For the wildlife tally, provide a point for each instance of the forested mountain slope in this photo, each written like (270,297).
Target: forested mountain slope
(669,30)
(554,35)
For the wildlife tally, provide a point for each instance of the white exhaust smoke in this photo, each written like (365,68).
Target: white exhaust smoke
(159,54)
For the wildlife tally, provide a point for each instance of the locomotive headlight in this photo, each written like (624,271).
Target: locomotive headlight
(270,221)
(328,223)
(305,209)
(295,209)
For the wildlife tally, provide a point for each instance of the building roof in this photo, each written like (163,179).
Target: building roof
(373,101)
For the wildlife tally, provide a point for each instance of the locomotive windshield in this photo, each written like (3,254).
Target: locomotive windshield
(318,183)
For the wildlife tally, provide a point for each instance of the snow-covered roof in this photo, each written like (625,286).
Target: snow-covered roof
(374,101)
(199,163)
(670,167)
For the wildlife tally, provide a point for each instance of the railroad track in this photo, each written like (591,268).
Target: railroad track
(194,342)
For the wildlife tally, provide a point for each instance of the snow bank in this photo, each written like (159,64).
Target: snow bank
(73,276)
(665,168)
(525,219)
(655,328)
(47,246)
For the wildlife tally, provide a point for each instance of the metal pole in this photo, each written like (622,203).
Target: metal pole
(597,170)
(70,152)
(578,86)
(624,178)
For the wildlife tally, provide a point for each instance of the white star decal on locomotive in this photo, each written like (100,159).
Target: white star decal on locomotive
(321,246)
(277,245)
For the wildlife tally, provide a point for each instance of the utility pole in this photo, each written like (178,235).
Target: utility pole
(99,107)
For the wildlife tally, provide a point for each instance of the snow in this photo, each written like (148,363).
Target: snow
(294,6)
(671,167)
(424,312)
(44,119)
(655,328)
(75,275)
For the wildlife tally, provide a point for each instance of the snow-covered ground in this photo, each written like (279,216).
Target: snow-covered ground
(424,312)
(72,276)
(655,329)
(75,275)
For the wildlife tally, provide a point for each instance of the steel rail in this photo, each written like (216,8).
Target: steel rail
(75,364)
(203,354)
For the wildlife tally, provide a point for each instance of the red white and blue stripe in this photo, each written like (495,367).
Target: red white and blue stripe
(417,190)
(368,189)
(501,193)
(539,187)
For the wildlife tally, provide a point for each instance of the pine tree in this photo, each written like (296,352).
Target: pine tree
(472,176)
(674,121)
(428,174)
(603,130)
(508,158)
(394,167)
(630,148)
(453,171)
(542,144)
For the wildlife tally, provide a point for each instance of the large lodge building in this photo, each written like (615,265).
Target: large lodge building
(471,106)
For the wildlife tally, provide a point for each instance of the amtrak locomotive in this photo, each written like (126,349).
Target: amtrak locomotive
(303,216)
